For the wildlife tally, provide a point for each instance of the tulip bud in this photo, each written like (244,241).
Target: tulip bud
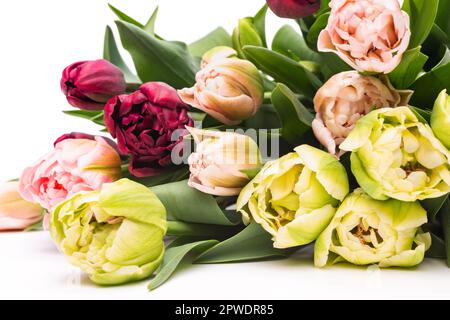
(440,118)
(90,84)
(294,9)
(114,234)
(230,90)
(216,54)
(245,34)
(217,163)
(15,212)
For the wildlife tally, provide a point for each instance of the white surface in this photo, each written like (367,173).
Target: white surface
(39,38)
(31,268)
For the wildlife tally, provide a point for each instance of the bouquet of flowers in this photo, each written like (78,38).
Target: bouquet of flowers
(336,134)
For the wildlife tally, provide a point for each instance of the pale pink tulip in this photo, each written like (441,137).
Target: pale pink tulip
(369,35)
(344,99)
(229,89)
(75,165)
(219,158)
(15,212)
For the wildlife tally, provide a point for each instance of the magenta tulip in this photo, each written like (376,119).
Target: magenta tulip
(294,9)
(89,85)
(144,122)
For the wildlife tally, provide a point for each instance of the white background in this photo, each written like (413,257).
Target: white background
(38,39)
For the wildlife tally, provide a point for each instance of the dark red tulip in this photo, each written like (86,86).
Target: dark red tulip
(143,123)
(89,85)
(294,9)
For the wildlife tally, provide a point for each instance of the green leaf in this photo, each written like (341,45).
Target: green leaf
(409,69)
(445,212)
(320,24)
(251,173)
(422,15)
(167,176)
(427,87)
(112,54)
(38,226)
(290,43)
(252,243)
(124,17)
(442,19)
(187,204)
(433,206)
(179,228)
(265,118)
(216,38)
(150,25)
(424,116)
(158,60)
(94,116)
(295,118)
(259,21)
(174,256)
(245,34)
(331,64)
(284,69)
(437,249)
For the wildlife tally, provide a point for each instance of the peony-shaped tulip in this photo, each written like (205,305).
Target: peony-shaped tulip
(440,118)
(114,234)
(344,99)
(369,35)
(90,84)
(295,197)
(230,90)
(144,124)
(216,54)
(15,212)
(294,9)
(219,161)
(394,155)
(75,165)
(366,231)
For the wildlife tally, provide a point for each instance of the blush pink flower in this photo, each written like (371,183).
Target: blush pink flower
(369,35)
(15,212)
(344,99)
(75,165)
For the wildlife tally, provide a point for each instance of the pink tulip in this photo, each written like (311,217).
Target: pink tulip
(90,84)
(369,35)
(15,212)
(344,99)
(75,165)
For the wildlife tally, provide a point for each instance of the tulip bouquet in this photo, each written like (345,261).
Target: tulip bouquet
(335,135)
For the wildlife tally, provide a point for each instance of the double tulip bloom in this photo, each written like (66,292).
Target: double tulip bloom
(75,165)
(369,35)
(394,155)
(295,197)
(440,118)
(227,88)
(148,124)
(344,99)
(221,158)
(114,234)
(90,84)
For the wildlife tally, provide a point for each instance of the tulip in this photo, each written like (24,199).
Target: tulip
(81,135)
(369,35)
(216,54)
(396,156)
(75,165)
(344,99)
(144,123)
(245,34)
(295,197)
(216,166)
(15,212)
(440,118)
(294,9)
(365,231)
(90,84)
(230,90)
(114,234)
